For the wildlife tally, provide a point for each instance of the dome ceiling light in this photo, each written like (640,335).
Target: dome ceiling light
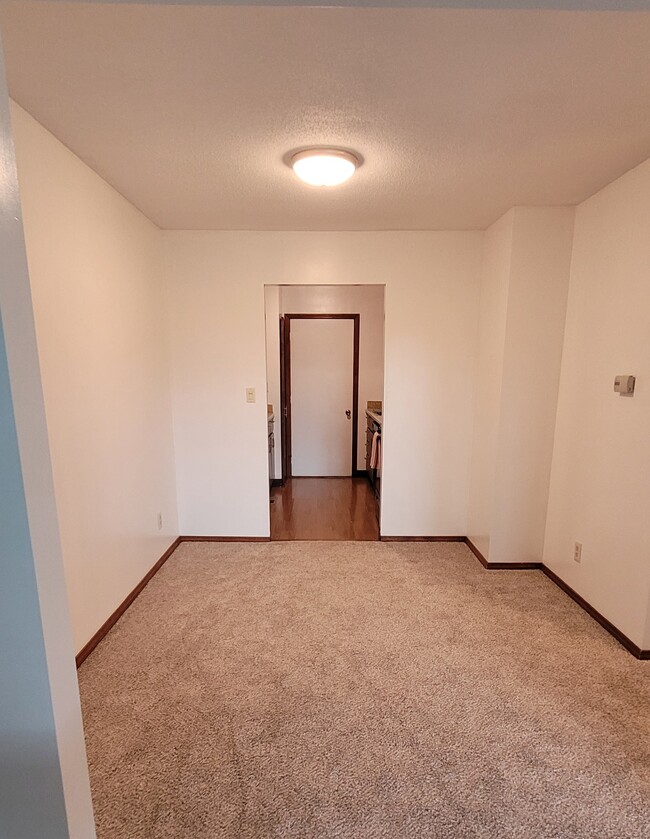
(325,167)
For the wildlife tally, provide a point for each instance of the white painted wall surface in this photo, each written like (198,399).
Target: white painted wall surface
(272,318)
(216,297)
(539,281)
(368,302)
(600,483)
(44,785)
(523,305)
(95,270)
(495,283)
(322,376)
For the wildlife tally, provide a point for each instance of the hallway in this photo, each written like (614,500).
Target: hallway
(336,509)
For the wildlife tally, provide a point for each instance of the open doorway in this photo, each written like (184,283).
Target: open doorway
(325,377)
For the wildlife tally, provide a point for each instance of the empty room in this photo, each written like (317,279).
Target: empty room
(324,452)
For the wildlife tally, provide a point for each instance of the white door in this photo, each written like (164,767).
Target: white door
(322,378)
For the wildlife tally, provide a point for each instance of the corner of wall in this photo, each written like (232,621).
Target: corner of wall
(599,492)
(488,376)
(523,310)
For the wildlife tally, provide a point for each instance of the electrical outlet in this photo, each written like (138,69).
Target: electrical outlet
(577,552)
(250,394)
(160,521)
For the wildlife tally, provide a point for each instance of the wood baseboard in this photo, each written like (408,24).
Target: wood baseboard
(501,566)
(224,538)
(108,624)
(629,645)
(383,538)
(276,482)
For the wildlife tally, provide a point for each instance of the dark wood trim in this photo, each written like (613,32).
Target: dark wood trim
(284,401)
(108,624)
(285,395)
(629,645)
(476,552)
(501,566)
(225,538)
(383,538)
(319,316)
(360,473)
(276,482)
(616,633)
(355,392)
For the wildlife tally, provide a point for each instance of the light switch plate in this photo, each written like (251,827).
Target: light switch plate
(250,394)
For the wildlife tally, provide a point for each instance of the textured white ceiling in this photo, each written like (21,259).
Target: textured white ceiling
(459,115)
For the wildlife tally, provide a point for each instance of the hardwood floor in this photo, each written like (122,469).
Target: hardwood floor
(335,509)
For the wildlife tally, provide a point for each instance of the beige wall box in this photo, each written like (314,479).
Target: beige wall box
(624,385)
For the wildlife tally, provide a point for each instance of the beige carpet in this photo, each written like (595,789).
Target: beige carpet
(363,690)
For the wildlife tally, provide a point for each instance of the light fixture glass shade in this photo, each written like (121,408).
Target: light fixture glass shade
(324,167)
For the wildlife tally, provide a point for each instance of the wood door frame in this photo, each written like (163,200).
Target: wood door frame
(285,395)
(284,437)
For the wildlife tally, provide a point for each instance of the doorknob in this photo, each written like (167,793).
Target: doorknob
(348,414)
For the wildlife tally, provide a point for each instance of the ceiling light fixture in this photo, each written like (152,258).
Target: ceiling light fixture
(325,167)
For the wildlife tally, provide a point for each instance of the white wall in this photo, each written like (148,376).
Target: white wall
(495,283)
(368,302)
(539,281)
(600,483)
(95,270)
(216,297)
(44,785)
(523,305)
